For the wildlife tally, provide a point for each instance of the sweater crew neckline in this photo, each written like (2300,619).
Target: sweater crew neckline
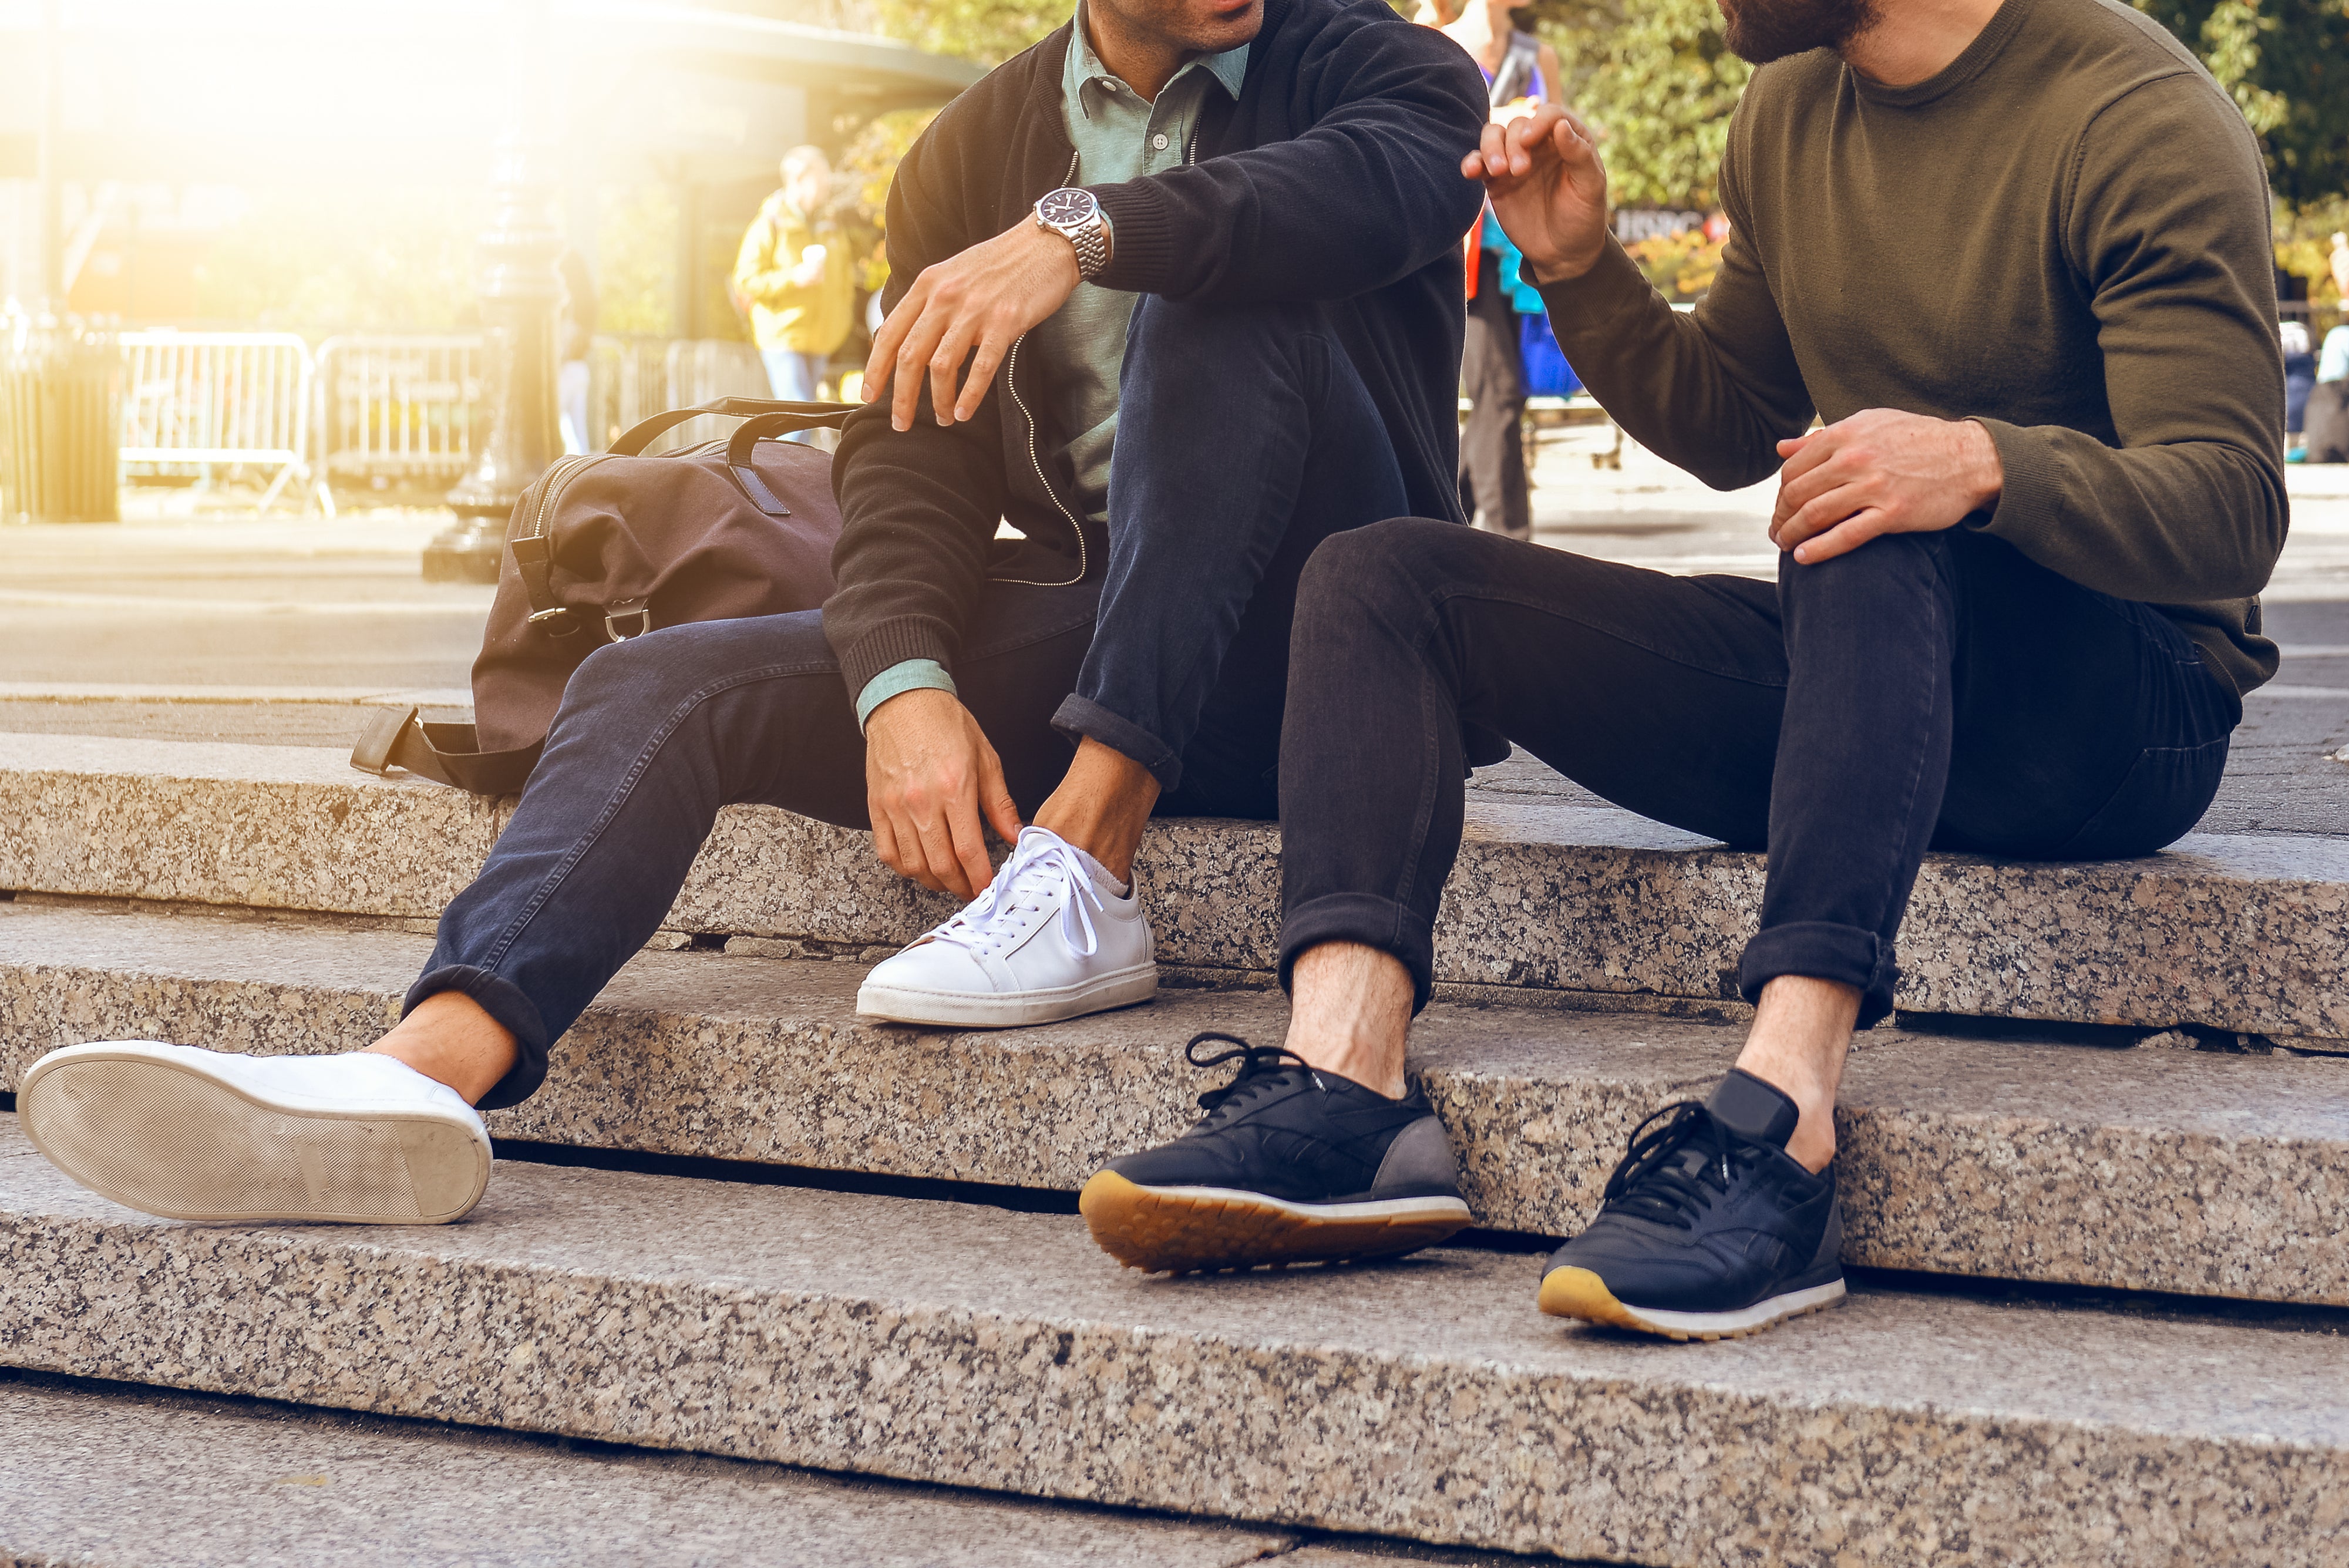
(1971,61)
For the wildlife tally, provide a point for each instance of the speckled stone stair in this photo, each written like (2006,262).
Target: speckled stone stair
(101,1476)
(2248,934)
(1424,1398)
(2163,1169)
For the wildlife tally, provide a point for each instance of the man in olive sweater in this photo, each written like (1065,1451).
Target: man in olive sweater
(2016,256)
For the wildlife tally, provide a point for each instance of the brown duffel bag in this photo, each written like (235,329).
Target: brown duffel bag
(608,545)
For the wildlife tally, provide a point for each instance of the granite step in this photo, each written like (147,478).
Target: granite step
(2245,933)
(108,1476)
(1423,1399)
(2152,1168)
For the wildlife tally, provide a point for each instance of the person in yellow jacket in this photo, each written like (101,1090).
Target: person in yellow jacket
(798,278)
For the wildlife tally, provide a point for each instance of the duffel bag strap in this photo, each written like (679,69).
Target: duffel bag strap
(811,415)
(445,753)
(534,559)
(747,436)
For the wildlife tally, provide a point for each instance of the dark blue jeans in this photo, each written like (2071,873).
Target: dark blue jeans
(1927,689)
(1245,438)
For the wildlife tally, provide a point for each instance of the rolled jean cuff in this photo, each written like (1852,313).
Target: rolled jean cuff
(1822,950)
(1083,716)
(503,1000)
(1393,928)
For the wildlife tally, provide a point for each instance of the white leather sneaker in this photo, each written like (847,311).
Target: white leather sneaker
(208,1134)
(1045,941)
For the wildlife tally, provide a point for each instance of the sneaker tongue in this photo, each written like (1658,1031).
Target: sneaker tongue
(1753,1110)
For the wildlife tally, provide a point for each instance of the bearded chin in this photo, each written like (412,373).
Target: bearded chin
(1760,31)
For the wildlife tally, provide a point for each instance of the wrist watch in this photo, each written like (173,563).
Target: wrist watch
(1073,215)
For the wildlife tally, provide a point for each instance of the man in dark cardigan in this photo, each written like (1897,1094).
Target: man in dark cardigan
(1175,295)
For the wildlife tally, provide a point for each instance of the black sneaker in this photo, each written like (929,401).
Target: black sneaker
(1291,1165)
(1709,1230)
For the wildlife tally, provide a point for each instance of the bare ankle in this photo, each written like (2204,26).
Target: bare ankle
(1349,1015)
(1802,1030)
(1102,806)
(452,1039)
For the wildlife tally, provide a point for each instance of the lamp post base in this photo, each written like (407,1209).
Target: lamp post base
(469,550)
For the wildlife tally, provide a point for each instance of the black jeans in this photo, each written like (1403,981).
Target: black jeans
(1925,689)
(1244,439)
(1492,442)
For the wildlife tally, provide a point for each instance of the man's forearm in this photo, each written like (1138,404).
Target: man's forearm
(1712,394)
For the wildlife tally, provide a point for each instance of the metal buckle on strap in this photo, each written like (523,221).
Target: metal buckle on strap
(556,622)
(641,615)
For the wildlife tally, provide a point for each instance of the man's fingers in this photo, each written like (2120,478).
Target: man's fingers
(1817,516)
(912,361)
(946,359)
(1842,539)
(882,361)
(969,842)
(1801,482)
(938,849)
(913,860)
(991,350)
(1491,155)
(995,795)
(1531,140)
(885,838)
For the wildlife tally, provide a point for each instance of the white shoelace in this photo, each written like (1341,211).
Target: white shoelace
(1041,866)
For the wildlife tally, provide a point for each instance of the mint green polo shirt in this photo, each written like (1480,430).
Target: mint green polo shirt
(1119,136)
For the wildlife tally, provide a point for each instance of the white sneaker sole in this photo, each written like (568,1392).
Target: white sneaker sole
(1003,1010)
(146,1128)
(1580,1294)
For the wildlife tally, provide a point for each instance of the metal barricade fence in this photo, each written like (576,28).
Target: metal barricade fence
(402,412)
(627,381)
(219,397)
(398,412)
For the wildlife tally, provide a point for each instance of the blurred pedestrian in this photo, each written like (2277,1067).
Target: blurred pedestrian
(797,272)
(2324,422)
(1520,72)
(574,337)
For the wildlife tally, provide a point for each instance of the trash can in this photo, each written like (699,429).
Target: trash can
(61,424)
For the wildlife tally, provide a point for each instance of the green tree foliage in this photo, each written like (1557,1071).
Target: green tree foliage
(344,260)
(2287,64)
(987,31)
(1656,80)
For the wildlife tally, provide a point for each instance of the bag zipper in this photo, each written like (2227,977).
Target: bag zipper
(551,485)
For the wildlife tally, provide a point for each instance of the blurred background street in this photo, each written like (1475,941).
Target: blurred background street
(190,622)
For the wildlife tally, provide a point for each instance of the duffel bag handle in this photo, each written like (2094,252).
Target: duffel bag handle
(747,436)
(807,416)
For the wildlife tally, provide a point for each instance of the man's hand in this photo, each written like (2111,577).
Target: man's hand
(1548,189)
(1880,471)
(929,777)
(985,297)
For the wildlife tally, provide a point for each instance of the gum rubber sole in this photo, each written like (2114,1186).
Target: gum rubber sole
(153,1135)
(1580,1294)
(1189,1232)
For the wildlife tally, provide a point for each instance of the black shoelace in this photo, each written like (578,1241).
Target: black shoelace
(1261,1068)
(1656,1180)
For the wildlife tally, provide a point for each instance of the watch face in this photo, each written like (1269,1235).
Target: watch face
(1061,208)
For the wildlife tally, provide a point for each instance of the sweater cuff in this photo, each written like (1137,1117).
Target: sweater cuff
(2031,488)
(911,675)
(892,643)
(1599,298)
(1142,242)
